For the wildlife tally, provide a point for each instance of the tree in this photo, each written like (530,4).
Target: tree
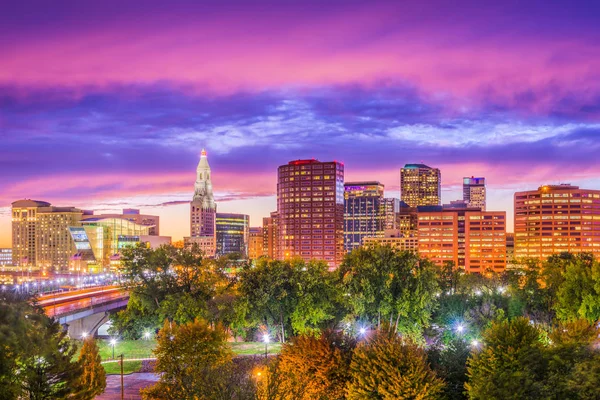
(449,277)
(510,365)
(47,369)
(450,364)
(390,367)
(383,284)
(36,356)
(312,367)
(531,296)
(168,282)
(92,380)
(298,295)
(578,296)
(193,361)
(573,362)
(132,322)
(268,292)
(319,298)
(13,346)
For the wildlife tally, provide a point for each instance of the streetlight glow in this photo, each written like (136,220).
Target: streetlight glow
(113,342)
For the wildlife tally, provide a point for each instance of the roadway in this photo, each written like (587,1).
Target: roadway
(67,302)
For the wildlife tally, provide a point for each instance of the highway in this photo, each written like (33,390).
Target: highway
(71,301)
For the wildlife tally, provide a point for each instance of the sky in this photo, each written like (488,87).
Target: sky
(107,104)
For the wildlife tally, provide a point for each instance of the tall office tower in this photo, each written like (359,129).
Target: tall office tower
(555,219)
(363,217)
(255,242)
(474,192)
(420,185)
(40,234)
(472,239)
(271,236)
(310,203)
(232,234)
(390,208)
(203,210)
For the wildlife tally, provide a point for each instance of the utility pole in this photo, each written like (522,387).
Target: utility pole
(122,387)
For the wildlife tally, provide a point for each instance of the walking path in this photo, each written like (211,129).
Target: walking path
(132,384)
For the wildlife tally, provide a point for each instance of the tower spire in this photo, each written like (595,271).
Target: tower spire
(203,193)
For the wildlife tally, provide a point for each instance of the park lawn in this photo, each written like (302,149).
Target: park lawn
(129,348)
(128,367)
(143,348)
(254,348)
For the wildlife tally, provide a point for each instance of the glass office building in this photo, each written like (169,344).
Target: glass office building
(232,232)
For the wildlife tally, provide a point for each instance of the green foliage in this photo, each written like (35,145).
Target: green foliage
(169,282)
(510,365)
(92,380)
(573,362)
(319,298)
(134,321)
(312,367)
(578,296)
(389,367)
(194,362)
(36,361)
(530,296)
(13,330)
(383,284)
(450,364)
(449,277)
(285,294)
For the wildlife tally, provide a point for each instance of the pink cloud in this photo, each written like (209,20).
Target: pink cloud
(236,53)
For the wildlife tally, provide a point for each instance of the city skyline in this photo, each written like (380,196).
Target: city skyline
(117,118)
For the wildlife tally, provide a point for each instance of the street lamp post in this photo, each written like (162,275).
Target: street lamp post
(122,386)
(266,339)
(113,342)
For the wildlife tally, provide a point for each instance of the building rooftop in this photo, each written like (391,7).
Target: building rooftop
(562,186)
(30,203)
(416,166)
(363,183)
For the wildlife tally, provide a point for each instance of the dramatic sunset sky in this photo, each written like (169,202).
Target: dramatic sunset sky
(107,104)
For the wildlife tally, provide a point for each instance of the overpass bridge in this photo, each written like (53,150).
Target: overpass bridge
(84,311)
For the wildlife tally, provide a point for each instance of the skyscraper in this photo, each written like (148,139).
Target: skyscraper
(420,185)
(40,234)
(232,234)
(363,212)
(310,206)
(474,192)
(203,209)
(556,218)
